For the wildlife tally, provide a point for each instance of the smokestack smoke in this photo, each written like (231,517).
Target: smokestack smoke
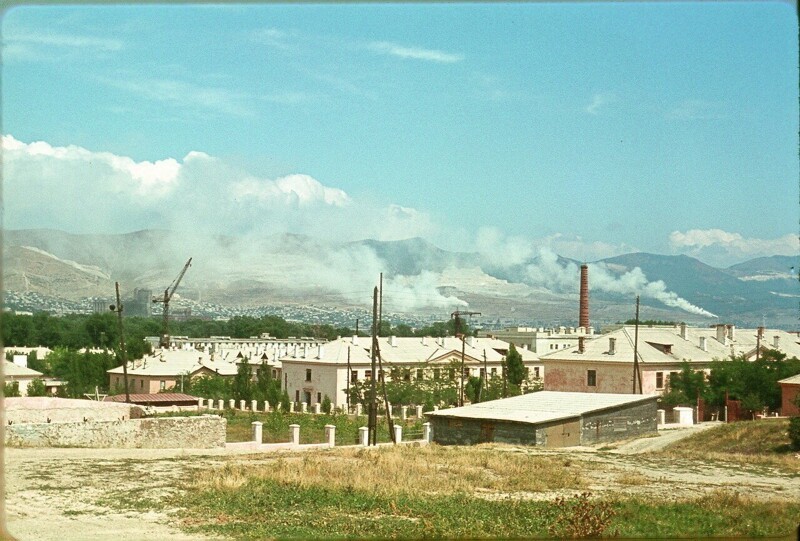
(583,316)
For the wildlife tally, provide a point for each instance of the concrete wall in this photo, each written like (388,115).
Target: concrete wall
(612,377)
(205,432)
(42,409)
(326,379)
(620,423)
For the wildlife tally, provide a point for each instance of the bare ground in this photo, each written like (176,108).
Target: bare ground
(91,494)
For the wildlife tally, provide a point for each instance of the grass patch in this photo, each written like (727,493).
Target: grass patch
(750,444)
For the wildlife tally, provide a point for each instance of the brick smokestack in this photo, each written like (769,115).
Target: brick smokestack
(583,318)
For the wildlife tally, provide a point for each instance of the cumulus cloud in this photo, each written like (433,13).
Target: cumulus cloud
(415,53)
(719,247)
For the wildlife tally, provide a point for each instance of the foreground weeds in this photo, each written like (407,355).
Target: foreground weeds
(441,492)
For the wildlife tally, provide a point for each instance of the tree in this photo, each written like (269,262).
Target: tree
(516,370)
(242,387)
(37,388)
(266,387)
(684,387)
(326,404)
(473,389)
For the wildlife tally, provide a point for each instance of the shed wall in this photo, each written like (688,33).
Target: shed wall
(452,431)
(620,423)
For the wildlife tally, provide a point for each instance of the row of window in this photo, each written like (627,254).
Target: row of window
(591,379)
(162,385)
(419,374)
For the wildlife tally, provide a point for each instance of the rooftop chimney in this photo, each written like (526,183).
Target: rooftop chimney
(761,332)
(392,341)
(583,316)
(470,340)
(684,333)
(355,340)
(581,340)
(703,344)
(776,341)
(612,346)
(424,340)
(722,334)
(732,332)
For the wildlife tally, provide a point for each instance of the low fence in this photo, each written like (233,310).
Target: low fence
(426,436)
(256,406)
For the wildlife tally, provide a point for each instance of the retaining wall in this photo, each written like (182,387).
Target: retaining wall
(204,432)
(42,409)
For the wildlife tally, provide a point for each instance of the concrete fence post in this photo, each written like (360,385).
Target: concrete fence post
(220,404)
(317,408)
(419,412)
(257,432)
(291,407)
(232,403)
(662,416)
(330,434)
(199,404)
(427,433)
(358,409)
(254,406)
(266,406)
(303,407)
(241,405)
(435,408)
(363,435)
(295,432)
(398,433)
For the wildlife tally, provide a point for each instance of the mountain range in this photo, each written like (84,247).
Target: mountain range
(419,277)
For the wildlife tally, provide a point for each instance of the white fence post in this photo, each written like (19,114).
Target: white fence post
(330,434)
(398,433)
(427,433)
(254,406)
(435,408)
(358,409)
(363,435)
(317,408)
(241,405)
(291,407)
(220,404)
(403,412)
(303,407)
(232,403)
(266,406)
(662,416)
(419,412)
(257,432)
(199,404)
(295,432)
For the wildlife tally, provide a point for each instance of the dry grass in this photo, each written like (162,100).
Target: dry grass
(633,479)
(404,469)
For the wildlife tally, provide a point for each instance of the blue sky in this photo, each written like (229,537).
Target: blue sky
(594,129)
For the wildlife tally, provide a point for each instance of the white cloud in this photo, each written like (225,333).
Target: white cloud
(497,248)
(415,53)
(723,248)
(20,45)
(599,101)
(292,189)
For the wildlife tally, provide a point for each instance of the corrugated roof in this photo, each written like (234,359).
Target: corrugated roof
(542,406)
(155,399)
(794,380)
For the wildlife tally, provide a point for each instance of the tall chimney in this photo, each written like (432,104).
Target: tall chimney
(612,346)
(583,317)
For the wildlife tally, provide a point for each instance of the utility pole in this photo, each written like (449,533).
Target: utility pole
(118,309)
(380,306)
(637,375)
(457,328)
(373,406)
(349,372)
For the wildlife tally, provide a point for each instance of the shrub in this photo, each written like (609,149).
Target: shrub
(581,517)
(37,388)
(794,433)
(11,389)
(326,404)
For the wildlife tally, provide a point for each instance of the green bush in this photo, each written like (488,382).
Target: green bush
(37,388)
(11,389)
(326,404)
(794,433)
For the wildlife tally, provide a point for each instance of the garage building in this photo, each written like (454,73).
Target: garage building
(548,418)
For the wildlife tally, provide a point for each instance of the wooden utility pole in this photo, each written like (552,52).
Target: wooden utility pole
(380,306)
(349,375)
(457,328)
(372,424)
(637,375)
(123,357)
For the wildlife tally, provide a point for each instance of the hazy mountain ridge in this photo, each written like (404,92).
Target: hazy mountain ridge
(301,269)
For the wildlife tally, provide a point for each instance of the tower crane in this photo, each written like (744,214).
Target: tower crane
(164,341)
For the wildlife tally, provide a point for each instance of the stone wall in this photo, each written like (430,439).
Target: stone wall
(622,422)
(204,432)
(455,431)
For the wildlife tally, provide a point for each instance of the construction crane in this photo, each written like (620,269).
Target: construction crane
(164,341)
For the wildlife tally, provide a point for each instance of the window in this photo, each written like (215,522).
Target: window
(353,376)
(420,375)
(591,378)
(274,373)
(436,373)
(319,398)
(659,380)
(141,384)
(308,374)
(483,373)
(620,424)
(367,374)
(452,373)
(162,385)
(536,372)
(297,395)
(494,372)
(406,375)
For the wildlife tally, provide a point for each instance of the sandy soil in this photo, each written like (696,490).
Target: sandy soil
(74,494)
